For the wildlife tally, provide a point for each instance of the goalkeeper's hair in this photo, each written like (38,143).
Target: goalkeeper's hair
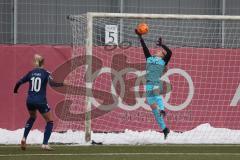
(38,60)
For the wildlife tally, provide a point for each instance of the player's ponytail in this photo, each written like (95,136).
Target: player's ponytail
(38,60)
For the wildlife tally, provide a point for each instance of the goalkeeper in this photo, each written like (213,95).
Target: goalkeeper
(154,69)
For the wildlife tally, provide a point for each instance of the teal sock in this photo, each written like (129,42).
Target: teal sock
(159,118)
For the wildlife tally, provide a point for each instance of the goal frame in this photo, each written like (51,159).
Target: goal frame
(89,44)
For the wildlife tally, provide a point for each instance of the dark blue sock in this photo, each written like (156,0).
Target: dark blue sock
(48,131)
(28,126)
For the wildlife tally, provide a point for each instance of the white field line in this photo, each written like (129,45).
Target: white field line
(126,145)
(123,154)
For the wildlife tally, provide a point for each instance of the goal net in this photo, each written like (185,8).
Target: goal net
(202,81)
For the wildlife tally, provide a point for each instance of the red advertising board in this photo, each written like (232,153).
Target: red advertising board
(205,89)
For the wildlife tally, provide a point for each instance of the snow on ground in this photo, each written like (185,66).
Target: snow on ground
(201,134)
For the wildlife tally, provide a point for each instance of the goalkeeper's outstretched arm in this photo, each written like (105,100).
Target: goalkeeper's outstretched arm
(168,55)
(144,46)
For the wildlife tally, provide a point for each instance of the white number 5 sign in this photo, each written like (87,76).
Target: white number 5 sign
(111,34)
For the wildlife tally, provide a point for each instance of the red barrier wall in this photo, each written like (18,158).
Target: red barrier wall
(15,61)
(215,74)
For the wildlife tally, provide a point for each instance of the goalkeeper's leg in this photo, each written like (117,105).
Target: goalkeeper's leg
(158,116)
(152,101)
(160,104)
(155,102)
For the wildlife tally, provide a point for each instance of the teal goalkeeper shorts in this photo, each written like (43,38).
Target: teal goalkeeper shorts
(153,96)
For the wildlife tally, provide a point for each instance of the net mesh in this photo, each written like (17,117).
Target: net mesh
(203,73)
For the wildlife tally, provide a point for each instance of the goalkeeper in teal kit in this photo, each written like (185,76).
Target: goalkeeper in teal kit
(154,69)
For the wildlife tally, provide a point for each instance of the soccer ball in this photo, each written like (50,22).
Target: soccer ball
(142,28)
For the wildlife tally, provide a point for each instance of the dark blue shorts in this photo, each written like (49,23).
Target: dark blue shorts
(41,107)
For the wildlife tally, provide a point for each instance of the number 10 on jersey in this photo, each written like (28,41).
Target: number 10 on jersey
(36,84)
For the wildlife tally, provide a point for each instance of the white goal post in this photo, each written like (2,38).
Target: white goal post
(194,30)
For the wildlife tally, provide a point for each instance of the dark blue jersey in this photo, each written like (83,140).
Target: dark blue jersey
(37,79)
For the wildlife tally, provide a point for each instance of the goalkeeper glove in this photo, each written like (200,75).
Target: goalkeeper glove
(137,33)
(159,42)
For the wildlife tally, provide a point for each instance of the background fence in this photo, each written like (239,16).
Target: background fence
(44,21)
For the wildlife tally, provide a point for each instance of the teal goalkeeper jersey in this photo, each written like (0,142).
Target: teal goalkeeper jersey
(154,69)
(155,65)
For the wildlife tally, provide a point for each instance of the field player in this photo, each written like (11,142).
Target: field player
(36,100)
(154,69)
